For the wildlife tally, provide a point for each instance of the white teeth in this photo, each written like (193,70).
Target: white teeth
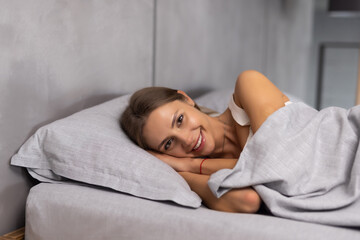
(198,143)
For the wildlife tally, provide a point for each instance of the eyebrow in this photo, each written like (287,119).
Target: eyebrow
(172,126)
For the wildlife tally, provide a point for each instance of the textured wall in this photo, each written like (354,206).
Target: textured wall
(289,28)
(211,42)
(57,57)
(208,41)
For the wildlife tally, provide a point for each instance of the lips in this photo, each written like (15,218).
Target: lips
(199,143)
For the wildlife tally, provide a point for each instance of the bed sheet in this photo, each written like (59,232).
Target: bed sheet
(73,211)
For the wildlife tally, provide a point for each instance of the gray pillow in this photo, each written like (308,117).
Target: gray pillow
(90,147)
(217,100)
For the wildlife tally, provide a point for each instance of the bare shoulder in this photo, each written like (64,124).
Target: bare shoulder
(258,96)
(254,82)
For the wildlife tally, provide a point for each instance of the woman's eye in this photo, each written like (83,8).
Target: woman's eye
(168,144)
(180,119)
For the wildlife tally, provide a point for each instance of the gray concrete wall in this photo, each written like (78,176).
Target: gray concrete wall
(208,41)
(289,28)
(213,41)
(58,57)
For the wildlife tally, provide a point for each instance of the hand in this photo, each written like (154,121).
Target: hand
(179,164)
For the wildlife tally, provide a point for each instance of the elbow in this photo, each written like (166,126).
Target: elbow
(240,201)
(252,202)
(246,201)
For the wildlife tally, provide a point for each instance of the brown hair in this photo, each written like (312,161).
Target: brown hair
(141,104)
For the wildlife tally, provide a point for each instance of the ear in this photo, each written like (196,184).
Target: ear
(188,99)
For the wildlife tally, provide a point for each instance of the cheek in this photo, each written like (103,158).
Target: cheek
(210,142)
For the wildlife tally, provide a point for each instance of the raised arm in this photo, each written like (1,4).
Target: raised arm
(258,96)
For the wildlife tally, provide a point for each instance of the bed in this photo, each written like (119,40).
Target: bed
(60,57)
(71,211)
(97,183)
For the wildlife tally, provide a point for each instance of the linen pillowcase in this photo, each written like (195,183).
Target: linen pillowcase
(90,147)
(216,100)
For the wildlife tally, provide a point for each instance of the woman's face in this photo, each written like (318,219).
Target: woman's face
(179,129)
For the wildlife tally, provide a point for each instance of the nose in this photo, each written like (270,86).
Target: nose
(186,139)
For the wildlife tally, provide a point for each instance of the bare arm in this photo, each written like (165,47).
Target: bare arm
(236,200)
(244,200)
(208,167)
(258,96)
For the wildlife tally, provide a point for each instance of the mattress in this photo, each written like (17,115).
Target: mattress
(74,211)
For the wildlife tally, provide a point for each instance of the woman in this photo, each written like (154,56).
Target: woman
(170,125)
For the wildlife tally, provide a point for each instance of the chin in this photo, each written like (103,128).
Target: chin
(208,151)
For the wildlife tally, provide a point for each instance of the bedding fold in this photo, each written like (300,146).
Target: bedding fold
(304,163)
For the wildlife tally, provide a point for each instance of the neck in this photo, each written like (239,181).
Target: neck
(227,145)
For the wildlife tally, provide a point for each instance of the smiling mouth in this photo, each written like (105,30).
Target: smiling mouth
(200,142)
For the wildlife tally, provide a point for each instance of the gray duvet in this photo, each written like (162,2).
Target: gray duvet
(304,163)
